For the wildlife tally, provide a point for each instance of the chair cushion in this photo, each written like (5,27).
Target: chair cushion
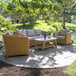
(38,32)
(24,32)
(63,32)
(20,32)
(56,34)
(8,33)
(30,33)
(60,37)
(34,37)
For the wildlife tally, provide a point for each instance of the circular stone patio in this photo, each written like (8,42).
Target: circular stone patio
(49,58)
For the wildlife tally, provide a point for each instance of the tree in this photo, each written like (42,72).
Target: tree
(31,10)
(45,8)
(17,12)
(67,10)
(48,8)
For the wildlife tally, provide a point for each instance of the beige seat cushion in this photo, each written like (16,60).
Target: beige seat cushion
(38,32)
(34,37)
(30,33)
(60,37)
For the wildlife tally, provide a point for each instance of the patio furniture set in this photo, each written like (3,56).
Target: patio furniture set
(19,42)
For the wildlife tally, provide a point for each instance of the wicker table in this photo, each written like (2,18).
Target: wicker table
(45,43)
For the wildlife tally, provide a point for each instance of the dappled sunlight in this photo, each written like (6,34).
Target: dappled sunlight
(51,57)
(59,47)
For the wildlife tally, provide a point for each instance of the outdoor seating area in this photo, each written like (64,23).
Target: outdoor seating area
(37,37)
(50,58)
(19,42)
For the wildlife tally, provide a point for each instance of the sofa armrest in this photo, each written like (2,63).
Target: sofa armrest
(68,36)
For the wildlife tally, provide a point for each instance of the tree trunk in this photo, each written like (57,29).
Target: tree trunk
(69,19)
(64,19)
(23,22)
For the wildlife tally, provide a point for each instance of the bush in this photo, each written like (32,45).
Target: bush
(4,24)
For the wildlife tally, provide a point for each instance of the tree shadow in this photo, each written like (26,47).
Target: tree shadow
(1,44)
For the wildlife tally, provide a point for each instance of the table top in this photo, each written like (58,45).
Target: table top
(47,39)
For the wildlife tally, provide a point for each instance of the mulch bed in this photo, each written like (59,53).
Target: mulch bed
(9,70)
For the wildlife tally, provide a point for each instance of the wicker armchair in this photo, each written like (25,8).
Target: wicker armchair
(63,37)
(16,45)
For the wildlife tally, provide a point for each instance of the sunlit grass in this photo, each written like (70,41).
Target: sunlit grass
(74,41)
(40,24)
(71,70)
(71,26)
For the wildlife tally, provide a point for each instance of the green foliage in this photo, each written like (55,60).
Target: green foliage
(4,24)
(11,6)
(74,41)
(3,5)
(46,8)
(32,10)
(74,38)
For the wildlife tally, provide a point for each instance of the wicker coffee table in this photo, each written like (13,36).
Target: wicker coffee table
(45,43)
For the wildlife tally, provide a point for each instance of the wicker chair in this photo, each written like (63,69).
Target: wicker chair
(16,45)
(64,38)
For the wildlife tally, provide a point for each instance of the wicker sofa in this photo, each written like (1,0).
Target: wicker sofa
(63,36)
(30,34)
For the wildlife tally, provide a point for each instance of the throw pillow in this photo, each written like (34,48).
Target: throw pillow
(17,34)
(38,32)
(8,33)
(30,33)
(62,32)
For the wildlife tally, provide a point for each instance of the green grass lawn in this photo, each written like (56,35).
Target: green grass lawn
(71,70)
(71,26)
(74,42)
(39,25)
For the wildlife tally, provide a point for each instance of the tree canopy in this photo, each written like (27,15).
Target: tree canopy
(4,23)
(31,10)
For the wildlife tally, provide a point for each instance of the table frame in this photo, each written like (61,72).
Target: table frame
(43,44)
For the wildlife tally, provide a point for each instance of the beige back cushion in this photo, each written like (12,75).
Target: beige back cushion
(30,33)
(38,32)
(7,33)
(63,32)
(23,32)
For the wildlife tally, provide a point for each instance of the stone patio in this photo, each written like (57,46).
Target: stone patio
(49,58)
